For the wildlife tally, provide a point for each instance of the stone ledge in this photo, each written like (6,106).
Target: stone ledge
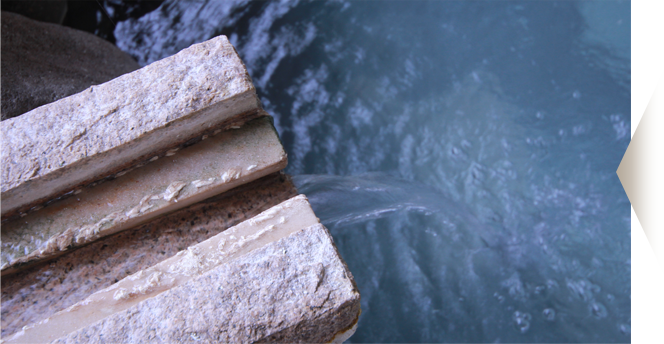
(294,289)
(221,162)
(39,292)
(107,128)
(274,294)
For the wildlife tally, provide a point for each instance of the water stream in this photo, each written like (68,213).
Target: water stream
(462,154)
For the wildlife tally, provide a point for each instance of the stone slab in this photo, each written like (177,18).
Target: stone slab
(113,126)
(185,177)
(296,289)
(39,292)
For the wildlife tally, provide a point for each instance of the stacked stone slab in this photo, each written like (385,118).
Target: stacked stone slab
(221,162)
(38,292)
(84,169)
(122,123)
(274,277)
(69,146)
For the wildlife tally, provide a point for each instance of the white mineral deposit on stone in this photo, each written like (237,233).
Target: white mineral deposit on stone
(251,167)
(200,183)
(231,174)
(173,190)
(146,208)
(190,262)
(121,294)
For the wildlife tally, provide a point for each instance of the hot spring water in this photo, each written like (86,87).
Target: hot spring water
(462,154)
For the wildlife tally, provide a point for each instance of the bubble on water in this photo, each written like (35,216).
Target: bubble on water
(521,321)
(598,310)
(621,128)
(579,130)
(625,329)
(515,287)
(580,289)
(549,314)
(552,285)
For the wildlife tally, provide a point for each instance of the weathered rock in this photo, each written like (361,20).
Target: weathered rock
(221,162)
(113,126)
(39,292)
(50,11)
(294,290)
(43,62)
(244,286)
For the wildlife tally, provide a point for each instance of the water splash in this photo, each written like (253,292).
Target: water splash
(407,241)
(341,200)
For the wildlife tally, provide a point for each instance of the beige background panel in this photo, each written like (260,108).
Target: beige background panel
(642,170)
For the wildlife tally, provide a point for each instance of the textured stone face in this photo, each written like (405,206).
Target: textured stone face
(39,292)
(184,177)
(112,126)
(294,290)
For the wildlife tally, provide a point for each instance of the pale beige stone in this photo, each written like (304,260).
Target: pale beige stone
(273,283)
(107,128)
(190,175)
(38,292)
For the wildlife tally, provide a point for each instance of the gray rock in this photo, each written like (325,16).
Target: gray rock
(116,125)
(297,289)
(43,62)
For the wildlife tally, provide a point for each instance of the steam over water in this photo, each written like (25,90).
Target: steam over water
(462,154)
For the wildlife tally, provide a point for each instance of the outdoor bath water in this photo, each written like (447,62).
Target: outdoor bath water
(462,154)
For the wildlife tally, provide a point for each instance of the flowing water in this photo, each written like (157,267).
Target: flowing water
(462,154)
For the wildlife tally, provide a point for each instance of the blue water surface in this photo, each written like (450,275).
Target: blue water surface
(462,154)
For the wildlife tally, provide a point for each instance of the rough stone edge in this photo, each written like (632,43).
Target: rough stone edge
(229,124)
(323,328)
(251,199)
(345,318)
(76,237)
(22,184)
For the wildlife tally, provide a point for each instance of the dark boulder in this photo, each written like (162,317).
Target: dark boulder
(44,62)
(50,11)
